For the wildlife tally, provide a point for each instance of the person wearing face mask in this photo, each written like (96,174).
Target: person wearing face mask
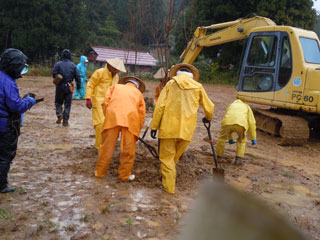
(82,69)
(12,106)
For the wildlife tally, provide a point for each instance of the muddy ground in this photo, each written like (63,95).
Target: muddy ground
(57,196)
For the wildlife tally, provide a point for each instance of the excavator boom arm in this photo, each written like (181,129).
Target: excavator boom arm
(229,32)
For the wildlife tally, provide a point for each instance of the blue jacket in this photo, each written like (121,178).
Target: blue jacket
(10,101)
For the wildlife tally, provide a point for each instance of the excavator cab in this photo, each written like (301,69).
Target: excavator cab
(281,68)
(267,63)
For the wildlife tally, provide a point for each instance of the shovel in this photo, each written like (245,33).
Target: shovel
(219,172)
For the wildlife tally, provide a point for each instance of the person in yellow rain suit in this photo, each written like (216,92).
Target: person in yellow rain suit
(238,119)
(124,111)
(175,116)
(97,87)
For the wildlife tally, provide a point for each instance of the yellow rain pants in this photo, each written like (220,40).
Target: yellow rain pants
(170,152)
(96,90)
(97,115)
(226,133)
(128,150)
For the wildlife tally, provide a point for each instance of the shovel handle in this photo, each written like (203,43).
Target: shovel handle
(207,125)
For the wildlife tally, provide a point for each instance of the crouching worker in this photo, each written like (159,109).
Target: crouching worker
(238,119)
(12,65)
(175,116)
(124,110)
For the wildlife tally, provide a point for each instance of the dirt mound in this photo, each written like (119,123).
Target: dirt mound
(146,168)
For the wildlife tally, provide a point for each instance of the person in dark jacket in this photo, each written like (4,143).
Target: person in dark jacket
(12,64)
(69,71)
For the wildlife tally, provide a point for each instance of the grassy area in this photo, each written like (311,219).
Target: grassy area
(209,73)
(39,70)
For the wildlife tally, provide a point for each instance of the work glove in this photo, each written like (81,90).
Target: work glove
(153,134)
(232,142)
(204,120)
(254,142)
(136,138)
(89,103)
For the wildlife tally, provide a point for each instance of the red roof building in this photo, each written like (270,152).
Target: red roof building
(143,60)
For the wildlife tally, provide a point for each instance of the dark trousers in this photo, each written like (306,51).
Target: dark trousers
(8,149)
(63,97)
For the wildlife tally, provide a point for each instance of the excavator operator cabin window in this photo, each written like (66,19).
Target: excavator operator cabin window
(262,51)
(310,50)
(285,69)
(259,72)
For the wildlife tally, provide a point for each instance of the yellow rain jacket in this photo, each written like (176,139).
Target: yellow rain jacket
(176,111)
(124,106)
(96,90)
(240,113)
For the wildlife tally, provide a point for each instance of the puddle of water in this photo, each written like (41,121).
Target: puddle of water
(64,203)
(137,196)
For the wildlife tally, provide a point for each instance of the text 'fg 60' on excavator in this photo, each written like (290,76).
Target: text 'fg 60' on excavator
(280,68)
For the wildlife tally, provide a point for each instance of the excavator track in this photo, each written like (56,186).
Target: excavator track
(293,130)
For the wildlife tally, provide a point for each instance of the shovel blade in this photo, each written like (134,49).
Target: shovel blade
(218,173)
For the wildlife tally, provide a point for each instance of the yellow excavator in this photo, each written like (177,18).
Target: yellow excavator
(280,68)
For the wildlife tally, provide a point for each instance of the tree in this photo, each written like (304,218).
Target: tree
(102,23)
(107,34)
(160,25)
(41,28)
(317,26)
(293,13)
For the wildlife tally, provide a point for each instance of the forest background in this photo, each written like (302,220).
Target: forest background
(43,28)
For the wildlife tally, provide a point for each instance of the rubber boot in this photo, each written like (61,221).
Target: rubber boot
(238,161)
